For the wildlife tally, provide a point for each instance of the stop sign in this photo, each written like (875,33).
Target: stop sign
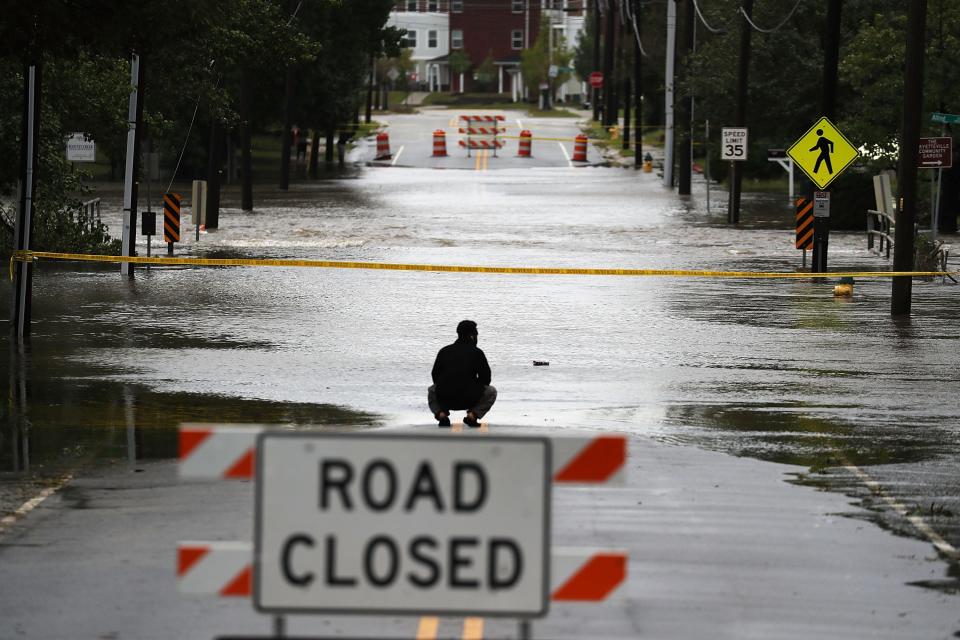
(596,80)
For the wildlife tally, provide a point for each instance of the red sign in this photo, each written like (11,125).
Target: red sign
(935,153)
(596,80)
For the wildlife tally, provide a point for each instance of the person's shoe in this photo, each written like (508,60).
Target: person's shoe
(443,420)
(471,419)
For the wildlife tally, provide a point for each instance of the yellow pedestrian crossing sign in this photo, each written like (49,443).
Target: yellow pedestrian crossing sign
(823,153)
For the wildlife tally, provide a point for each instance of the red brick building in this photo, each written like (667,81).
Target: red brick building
(501,29)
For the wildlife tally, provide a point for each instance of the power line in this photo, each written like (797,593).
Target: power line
(774,29)
(636,32)
(711,29)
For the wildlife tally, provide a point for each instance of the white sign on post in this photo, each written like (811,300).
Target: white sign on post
(81,148)
(734,145)
(401,524)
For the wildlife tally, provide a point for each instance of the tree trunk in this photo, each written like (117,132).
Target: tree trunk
(287,126)
(328,151)
(314,152)
(246,164)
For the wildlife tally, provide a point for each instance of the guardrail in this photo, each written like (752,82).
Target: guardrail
(879,227)
(89,214)
(880,231)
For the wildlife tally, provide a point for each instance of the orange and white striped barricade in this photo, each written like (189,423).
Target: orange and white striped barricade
(439,144)
(383,146)
(215,568)
(525,144)
(481,132)
(580,148)
(225,569)
(227,452)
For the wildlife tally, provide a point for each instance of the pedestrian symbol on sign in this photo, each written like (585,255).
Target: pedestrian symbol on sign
(823,153)
(825,146)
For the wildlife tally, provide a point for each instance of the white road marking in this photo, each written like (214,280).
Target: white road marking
(519,123)
(397,157)
(565,154)
(7,521)
(919,523)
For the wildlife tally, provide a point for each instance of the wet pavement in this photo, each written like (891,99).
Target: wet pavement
(774,370)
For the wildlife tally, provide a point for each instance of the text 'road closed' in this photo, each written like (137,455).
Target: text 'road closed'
(381,524)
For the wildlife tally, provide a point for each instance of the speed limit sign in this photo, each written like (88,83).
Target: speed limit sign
(734,143)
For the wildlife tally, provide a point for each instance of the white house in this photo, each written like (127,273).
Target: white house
(568,23)
(428,35)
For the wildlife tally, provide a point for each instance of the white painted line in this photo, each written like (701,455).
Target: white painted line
(565,154)
(520,123)
(7,521)
(919,523)
(397,157)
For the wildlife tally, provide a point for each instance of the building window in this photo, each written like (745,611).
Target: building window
(516,39)
(456,38)
(409,40)
(432,39)
(517,6)
(411,5)
(432,5)
(456,6)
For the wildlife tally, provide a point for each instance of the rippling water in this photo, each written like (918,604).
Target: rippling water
(772,368)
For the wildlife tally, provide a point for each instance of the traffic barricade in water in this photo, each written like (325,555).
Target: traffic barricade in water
(439,143)
(525,144)
(580,148)
(383,146)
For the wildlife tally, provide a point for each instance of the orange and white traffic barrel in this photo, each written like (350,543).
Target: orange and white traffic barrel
(383,147)
(439,143)
(580,148)
(525,144)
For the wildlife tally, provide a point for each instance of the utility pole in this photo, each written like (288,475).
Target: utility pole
(671,54)
(637,91)
(831,59)
(131,180)
(624,59)
(214,166)
(909,142)
(23,229)
(609,104)
(743,83)
(686,104)
(595,92)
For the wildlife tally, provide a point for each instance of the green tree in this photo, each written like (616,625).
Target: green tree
(459,65)
(486,73)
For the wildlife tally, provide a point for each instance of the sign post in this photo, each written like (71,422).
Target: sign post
(437,526)
(822,153)
(821,231)
(936,153)
(733,149)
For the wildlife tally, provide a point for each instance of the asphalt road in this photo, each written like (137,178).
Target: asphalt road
(720,547)
(411,141)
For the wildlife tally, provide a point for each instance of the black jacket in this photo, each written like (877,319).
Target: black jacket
(460,373)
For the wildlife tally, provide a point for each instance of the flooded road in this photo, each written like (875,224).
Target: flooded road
(770,369)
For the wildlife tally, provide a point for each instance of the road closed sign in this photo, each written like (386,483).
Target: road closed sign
(402,524)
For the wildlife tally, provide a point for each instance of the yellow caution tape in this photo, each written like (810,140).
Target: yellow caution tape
(25,256)
(550,139)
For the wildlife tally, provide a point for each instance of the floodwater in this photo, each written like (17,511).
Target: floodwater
(774,369)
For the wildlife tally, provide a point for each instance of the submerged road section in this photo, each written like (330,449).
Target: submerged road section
(793,468)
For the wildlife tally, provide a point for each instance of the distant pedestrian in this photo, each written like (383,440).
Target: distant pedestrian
(825,145)
(461,379)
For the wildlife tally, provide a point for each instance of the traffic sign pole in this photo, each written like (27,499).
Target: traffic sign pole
(821,231)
